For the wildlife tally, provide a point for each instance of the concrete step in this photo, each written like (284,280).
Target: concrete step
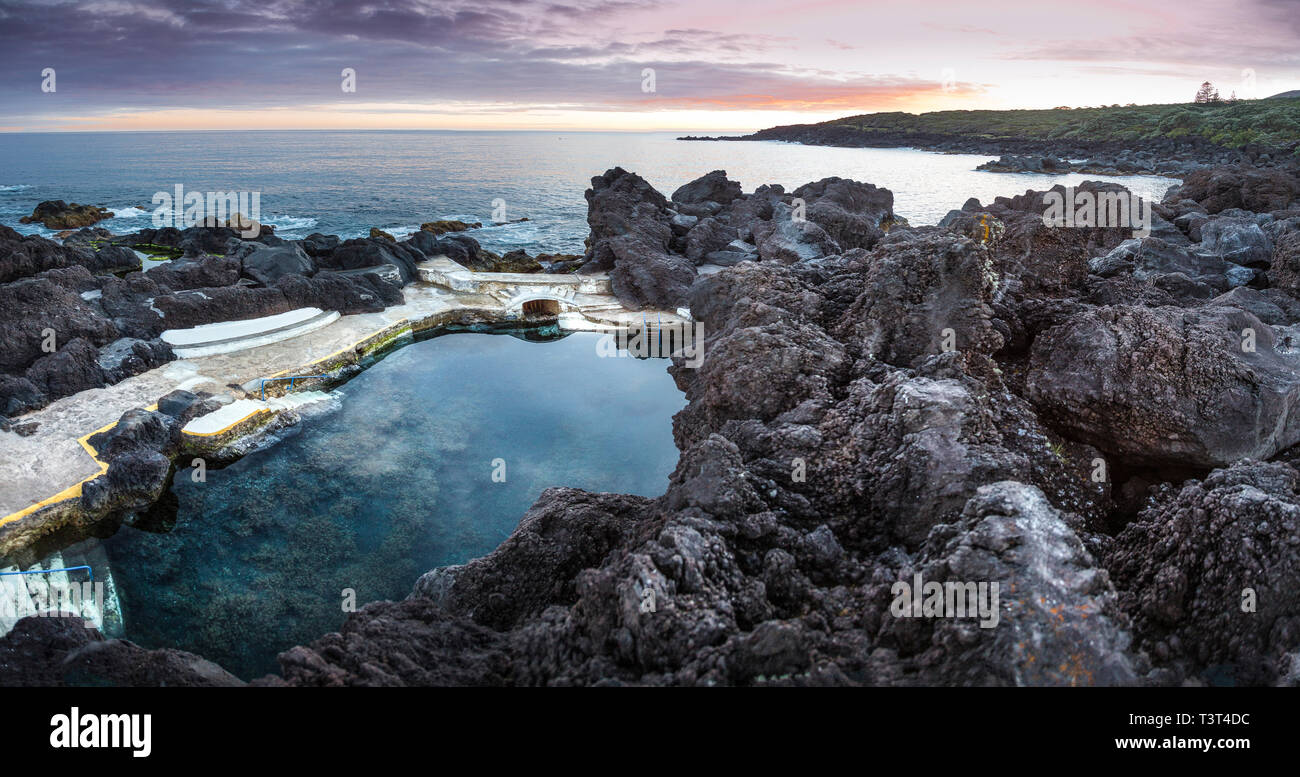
(231,336)
(228,416)
(25,595)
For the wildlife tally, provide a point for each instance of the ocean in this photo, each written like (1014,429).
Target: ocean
(344,183)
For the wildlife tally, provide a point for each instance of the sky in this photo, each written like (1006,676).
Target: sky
(682,65)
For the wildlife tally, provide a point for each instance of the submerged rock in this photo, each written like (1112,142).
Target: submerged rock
(445,226)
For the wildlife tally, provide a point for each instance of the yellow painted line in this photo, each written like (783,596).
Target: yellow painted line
(342,350)
(74,491)
(257,411)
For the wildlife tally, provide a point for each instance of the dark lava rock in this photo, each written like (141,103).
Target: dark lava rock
(788,239)
(200,273)
(451,225)
(1028,163)
(1059,621)
(711,187)
(705,237)
(1237,240)
(57,214)
(917,294)
(566,532)
(1210,573)
(196,241)
(24,256)
(123,358)
(854,214)
(139,451)
(177,403)
(1168,386)
(517,261)
(363,291)
(1253,189)
(71,369)
(373,252)
(317,244)
(194,307)
(1284,269)
(36,312)
(1186,272)
(266,264)
(19,395)
(51,652)
(630,236)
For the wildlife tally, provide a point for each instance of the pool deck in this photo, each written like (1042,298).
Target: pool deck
(48,467)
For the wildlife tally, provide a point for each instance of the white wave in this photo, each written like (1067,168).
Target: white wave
(130,212)
(468,218)
(290,223)
(15,188)
(510,233)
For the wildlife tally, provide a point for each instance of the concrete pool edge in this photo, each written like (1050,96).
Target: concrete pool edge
(66,508)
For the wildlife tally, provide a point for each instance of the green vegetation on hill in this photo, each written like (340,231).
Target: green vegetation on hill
(1274,122)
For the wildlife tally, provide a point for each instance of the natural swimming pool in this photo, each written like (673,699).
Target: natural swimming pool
(428,458)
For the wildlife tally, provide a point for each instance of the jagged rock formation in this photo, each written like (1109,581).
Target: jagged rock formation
(651,246)
(1067,413)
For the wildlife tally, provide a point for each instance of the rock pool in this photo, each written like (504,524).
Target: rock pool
(395,478)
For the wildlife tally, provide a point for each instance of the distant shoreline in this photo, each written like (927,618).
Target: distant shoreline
(1161,139)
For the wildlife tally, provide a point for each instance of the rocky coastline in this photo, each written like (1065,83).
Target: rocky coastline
(1072,413)
(105,313)
(1172,158)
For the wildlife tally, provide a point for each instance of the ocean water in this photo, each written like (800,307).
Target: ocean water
(392,480)
(344,183)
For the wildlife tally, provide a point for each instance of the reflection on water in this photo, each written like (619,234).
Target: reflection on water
(397,480)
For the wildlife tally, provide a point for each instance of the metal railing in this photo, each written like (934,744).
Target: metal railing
(89,571)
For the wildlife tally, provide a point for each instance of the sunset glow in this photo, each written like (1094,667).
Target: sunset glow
(579,64)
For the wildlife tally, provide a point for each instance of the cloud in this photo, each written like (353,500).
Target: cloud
(130,57)
(289,53)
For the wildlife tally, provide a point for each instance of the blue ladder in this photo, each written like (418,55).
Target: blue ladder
(89,571)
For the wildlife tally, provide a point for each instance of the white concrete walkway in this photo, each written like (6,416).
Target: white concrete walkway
(48,467)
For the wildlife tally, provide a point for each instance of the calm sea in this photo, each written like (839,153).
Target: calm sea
(344,183)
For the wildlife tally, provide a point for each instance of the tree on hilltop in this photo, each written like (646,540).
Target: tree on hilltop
(1207,93)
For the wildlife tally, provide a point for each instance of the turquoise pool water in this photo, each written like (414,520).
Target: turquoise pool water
(396,479)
